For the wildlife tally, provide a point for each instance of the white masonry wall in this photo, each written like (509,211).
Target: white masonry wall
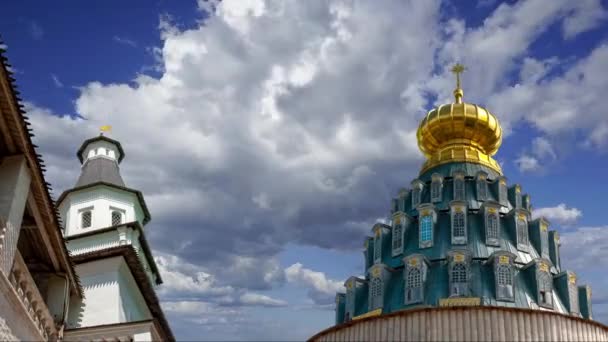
(110,295)
(102,200)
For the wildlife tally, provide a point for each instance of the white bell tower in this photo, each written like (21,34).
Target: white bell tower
(103,227)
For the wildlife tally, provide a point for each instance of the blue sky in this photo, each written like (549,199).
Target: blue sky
(268,136)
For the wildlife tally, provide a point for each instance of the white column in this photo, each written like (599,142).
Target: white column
(14,188)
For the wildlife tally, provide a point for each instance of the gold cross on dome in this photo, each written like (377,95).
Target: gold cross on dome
(458,69)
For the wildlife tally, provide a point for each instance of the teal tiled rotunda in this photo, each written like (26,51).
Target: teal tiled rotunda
(460,234)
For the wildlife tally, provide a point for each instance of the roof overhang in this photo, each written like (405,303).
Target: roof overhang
(140,196)
(141,278)
(142,240)
(16,133)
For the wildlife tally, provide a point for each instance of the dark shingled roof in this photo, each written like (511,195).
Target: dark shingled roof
(100,170)
(121,152)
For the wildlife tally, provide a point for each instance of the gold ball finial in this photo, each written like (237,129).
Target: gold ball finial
(458,69)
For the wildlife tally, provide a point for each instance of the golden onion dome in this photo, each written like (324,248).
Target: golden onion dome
(459,132)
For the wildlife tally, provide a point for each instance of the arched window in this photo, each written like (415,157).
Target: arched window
(397,238)
(503,275)
(436,188)
(116,218)
(492,227)
(459,224)
(426,230)
(504,282)
(482,189)
(416,196)
(378,247)
(522,232)
(502,192)
(86,219)
(413,286)
(459,285)
(545,289)
(459,187)
(376,292)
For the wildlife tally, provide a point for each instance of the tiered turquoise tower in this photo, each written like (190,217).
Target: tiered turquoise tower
(461,235)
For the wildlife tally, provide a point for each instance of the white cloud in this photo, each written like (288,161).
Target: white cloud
(321,289)
(124,41)
(586,15)
(56,81)
(527,163)
(559,214)
(35,30)
(260,299)
(540,155)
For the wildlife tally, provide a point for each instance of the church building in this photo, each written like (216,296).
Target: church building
(460,256)
(104,230)
(79,268)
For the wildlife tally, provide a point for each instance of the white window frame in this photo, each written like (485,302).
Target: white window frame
(349,305)
(492,212)
(400,223)
(545,289)
(422,213)
(436,188)
(459,184)
(481,187)
(518,200)
(459,288)
(378,246)
(573,294)
(458,208)
(504,283)
(417,187)
(521,232)
(503,197)
(376,290)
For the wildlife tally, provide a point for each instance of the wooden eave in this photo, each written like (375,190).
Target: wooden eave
(17,139)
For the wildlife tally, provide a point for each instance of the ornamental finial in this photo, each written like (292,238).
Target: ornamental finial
(458,69)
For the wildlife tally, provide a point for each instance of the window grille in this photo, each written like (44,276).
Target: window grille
(397,238)
(459,224)
(413,286)
(503,273)
(459,285)
(86,219)
(376,289)
(459,273)
(116,218)
(426,229)
(492,226)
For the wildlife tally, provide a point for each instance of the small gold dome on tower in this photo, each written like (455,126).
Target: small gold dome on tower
(459,132)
